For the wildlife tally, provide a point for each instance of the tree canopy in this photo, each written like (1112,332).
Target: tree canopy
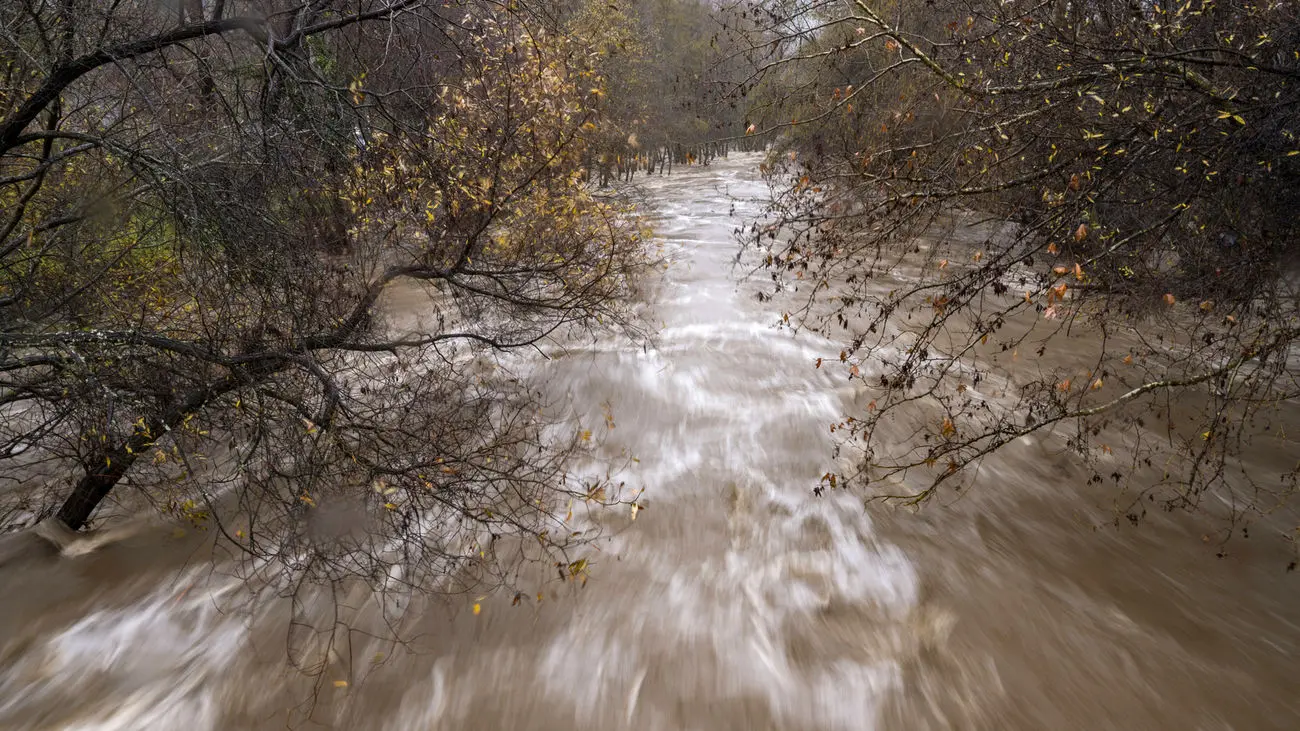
(263,266)
(963,188)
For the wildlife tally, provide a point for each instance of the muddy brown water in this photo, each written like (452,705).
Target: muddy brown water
(736,600)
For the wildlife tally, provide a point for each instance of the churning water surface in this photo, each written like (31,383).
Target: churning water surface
(736,600)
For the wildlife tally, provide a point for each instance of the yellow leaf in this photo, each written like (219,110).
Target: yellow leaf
(635,509)
(1096,384)
(477,608)
(340,684)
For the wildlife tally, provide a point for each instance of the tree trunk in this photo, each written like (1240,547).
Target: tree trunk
(93,488)
(113,465)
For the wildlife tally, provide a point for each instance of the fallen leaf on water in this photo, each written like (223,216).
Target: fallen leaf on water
(340,684)
(1169,299)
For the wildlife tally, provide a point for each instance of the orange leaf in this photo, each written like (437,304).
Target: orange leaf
(819,362)
(871,406)
(1074,182)
(1052,248)
(1096,384)
(1169,299)
(1128,359)
(853,370)
(1065,385)
(948,428)
(1078,272)
(1081,232)
(1207,305)
(943,264)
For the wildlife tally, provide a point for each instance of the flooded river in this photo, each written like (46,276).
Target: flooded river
(737,600)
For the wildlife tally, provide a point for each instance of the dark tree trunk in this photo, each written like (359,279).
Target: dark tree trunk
(111,466)
(93,488)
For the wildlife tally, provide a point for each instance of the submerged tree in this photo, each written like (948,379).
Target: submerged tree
(966,189)
(262,266)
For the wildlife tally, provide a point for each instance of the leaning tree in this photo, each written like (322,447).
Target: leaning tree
(264,266)
(963,187)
